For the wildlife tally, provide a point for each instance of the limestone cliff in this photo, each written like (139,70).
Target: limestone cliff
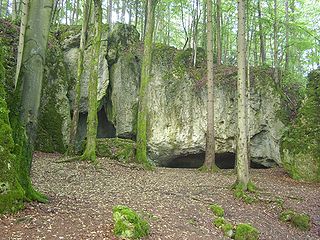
(177,100)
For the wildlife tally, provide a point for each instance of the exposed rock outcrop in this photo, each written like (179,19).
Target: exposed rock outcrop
(177,100)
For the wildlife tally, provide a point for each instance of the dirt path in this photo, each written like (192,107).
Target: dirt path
(175,202)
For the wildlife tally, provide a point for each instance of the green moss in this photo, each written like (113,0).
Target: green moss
(219,222)
(227,229)
(243,193)
(246,232)
(11,192)
(128,224)
(286,216)
(300,221)
(217,210)
(116,148)
(301,143)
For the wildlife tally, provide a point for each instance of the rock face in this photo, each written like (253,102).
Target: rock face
(177,101)
(71,55)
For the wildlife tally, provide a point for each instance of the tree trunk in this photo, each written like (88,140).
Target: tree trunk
(141,154)
(209,163)
(275,42)
(24,19)
(263,55)
(286,67)
(242,143)
(110,13)
(218,27)
(29,88)
(75,118)
(123,10)
(136,13)
(92,121)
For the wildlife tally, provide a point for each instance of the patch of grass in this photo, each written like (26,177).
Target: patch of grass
(241,192)
(217,210)
(245,231)
(128,224)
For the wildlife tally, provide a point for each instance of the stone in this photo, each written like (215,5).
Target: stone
(71,59)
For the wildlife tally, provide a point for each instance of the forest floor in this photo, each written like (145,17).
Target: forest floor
(174,201)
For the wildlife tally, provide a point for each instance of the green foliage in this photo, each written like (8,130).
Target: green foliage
(246,232)
(128,224)
(300,221)
(300,145)
(217,210)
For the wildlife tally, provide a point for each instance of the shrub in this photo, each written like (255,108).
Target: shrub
(217,210)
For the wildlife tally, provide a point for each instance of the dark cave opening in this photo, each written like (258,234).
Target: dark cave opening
(223,161)
(105,128)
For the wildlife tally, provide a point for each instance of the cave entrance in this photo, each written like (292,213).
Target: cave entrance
(105,128)
(223,161)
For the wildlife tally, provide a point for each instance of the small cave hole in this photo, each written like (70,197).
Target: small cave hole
(105,128)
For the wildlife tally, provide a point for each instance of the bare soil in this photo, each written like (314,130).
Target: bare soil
(174,201)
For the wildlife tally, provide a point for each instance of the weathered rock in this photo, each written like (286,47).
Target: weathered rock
(125,77)
(301,143)
(177,109)
(71,56)
(54,115)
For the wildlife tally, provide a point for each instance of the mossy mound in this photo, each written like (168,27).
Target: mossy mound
(116,148)
(128,224)
(11,192)
(300,221)
(301,143)
(246,232)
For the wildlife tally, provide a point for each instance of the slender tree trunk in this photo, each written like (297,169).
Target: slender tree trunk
(29,88)
(261,35)
(218,27)
(136,13)
(14,10)
(110,13)
(75,118)
(275,42)
(204,23)
(242,139)
(92,121)
(141,154)
(123,10)
(23,25)
(168,24)
(209,163)
(286,67)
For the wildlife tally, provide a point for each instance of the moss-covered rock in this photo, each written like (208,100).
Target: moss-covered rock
(299,220)
(128,224)
(301,143)
(54,115)
(116,148)
(11,192)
